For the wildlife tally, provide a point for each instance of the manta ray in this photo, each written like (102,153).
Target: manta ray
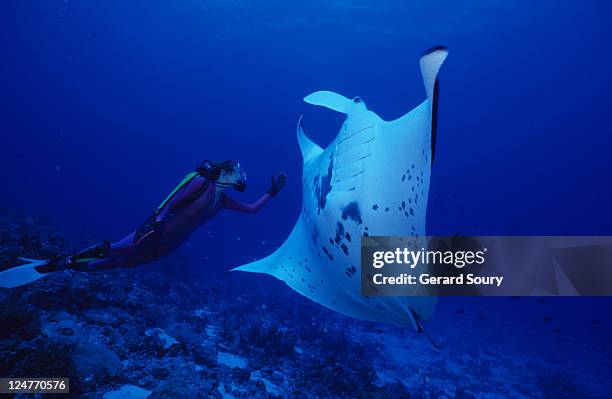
(373,179)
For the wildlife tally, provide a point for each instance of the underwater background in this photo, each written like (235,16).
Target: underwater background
(106,105)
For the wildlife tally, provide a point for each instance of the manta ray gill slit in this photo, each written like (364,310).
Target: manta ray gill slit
(322,186)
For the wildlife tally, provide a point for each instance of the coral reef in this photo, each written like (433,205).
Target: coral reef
(152,332)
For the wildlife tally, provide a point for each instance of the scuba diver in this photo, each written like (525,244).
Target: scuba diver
(196,200)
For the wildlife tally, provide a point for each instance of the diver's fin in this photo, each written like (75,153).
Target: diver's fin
(309,148)
(430,63)
(330,100)
(24,274)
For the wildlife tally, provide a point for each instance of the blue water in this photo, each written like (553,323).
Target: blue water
(106,105)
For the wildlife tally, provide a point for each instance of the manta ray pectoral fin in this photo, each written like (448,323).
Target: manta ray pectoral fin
(259,266)
(430,63)
(309,148)
(330,100)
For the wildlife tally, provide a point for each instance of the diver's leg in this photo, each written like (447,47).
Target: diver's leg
(127,246)
(103,251)
(117,262)
(138,247)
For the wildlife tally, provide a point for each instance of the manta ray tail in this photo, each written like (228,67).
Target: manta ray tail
(421,328)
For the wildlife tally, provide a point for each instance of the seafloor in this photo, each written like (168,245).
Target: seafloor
(153,332)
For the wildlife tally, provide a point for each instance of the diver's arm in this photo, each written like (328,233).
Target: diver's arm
(278,182)
(239,206)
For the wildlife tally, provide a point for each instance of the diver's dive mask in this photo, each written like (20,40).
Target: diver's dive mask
(212,171)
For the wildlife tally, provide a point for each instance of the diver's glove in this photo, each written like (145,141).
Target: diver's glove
(278,182)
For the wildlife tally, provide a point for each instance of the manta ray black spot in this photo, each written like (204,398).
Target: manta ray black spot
(351,211)
(327,253)
(339,229)
(322,186)
(403,204)
(375,207)
(339,233)
(387,209)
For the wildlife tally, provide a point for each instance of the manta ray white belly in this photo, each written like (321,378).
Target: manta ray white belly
(373,179)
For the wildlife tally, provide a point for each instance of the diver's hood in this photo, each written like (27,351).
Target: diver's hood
(212,171)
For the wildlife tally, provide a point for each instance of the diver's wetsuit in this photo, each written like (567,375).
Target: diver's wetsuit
(193,205)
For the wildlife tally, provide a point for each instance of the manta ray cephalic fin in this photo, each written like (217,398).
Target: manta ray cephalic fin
(329,99)
(309,148)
